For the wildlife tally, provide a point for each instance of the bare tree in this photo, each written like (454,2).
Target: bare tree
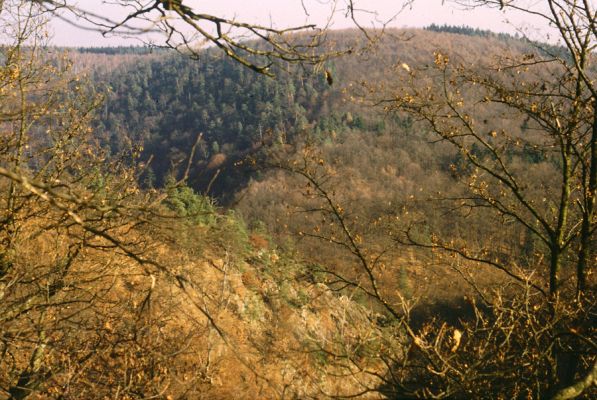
(524,130)
(72,239)
(549,90)
(564,107)
(87,282)
(517,342)
(535,104)
(188,30)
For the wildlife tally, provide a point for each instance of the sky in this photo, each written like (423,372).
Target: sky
(285,13)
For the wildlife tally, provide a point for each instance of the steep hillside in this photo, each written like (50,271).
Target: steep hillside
(237,123)
(169,103)
(218,313)
(412,221)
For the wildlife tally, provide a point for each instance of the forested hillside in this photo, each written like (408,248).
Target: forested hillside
(168,103)
(413,218)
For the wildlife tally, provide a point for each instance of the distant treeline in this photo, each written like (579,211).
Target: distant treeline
(469,31)
(118,50)
(545,49)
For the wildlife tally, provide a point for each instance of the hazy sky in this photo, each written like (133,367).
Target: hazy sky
(284,13)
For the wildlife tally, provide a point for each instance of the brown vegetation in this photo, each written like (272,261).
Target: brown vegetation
(109,291)
(453,258)
(519,131)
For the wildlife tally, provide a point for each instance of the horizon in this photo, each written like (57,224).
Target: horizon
(376,14)
(141,45)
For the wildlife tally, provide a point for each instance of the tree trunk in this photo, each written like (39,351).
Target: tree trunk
(554,269)
(576,389)
(589,211)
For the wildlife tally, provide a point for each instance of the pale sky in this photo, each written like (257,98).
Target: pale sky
(285,13)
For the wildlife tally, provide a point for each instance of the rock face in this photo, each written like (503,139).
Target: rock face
(216,314)
(280,335)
